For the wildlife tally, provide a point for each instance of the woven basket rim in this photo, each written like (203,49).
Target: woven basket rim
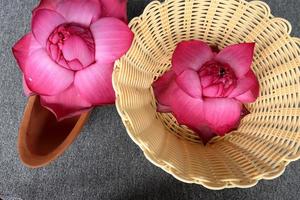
(166,166)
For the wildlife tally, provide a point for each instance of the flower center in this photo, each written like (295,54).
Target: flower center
(222,72)
(71,46)
(217,79)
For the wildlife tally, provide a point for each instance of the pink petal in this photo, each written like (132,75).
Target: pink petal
(26,89)
(162,82)
(43,24)
(112,39)
(24,48)
(68,103)
(95,83)
(76,48)
(74,65)
(164,87)
(251,95)
(248,82)
(213,115)
(54,52)
(211,91)
(82,12)
(44,76)
(247,97)
(163,109)
(47,4)
(229,90)
(190,112)
(239,57)
(165,96)
(206,80)
(115,8)
(187,110)
(222,114)
(205,133)
(62,62)
(189,82)
(191,55)
(221,90)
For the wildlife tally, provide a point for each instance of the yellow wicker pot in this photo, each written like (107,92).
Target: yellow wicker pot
(266,140)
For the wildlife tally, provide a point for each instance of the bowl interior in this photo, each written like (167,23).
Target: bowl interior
(266,140)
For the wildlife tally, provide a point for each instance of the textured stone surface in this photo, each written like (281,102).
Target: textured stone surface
(103,163)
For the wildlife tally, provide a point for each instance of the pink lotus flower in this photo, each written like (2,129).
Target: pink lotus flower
(68,56)
(205,89)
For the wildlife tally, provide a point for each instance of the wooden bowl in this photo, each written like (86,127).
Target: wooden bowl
(42,138)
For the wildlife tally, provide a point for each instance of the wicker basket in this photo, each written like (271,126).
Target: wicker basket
(266,140)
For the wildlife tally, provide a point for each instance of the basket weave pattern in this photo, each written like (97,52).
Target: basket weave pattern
(266,140)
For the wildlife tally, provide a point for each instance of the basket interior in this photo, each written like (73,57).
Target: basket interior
(266,140)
